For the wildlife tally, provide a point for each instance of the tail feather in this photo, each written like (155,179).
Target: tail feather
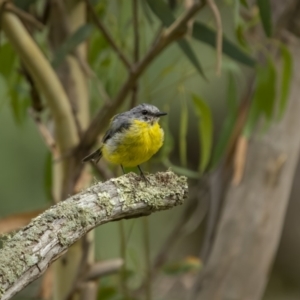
(95,156)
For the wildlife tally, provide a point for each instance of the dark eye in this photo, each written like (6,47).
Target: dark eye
(144,112)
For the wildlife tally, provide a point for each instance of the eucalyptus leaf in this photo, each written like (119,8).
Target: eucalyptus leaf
(183,128)
(244,3)
(165,15)
(8,59)
(205,130)
(79,36)
(168,144)
(286,76)
(180,170)
(264,96)
(24,4)
(205,34)
(228,125)
(162,11)
(265,15)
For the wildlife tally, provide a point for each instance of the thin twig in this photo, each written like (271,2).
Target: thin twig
(219,38)
(23,15)
(188,4)
(167,36)
(104,268)
(101,90)
(195,212)
(136,30)
(60,31)
(107,35)
(239,160)
(45,79)
(136,47)
(36,101)
(46,135)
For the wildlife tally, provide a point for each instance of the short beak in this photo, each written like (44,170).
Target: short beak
(160,114)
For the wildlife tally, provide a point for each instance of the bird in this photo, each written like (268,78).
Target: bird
(132,138)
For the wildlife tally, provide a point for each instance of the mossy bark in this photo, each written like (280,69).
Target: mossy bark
(26,255)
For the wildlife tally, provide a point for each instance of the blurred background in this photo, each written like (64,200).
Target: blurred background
(225,78)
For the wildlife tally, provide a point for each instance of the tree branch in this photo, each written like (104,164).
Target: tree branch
(23,15)
(167,36)
(136,49)
(107,35)
(251,222)
(28,254)
(44,77)
(219,40)
(103,268)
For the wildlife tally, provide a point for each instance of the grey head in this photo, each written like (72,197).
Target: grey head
(145,112)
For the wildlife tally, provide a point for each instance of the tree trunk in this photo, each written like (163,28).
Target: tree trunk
(251,222)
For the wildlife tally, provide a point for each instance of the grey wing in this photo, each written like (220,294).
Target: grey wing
(118,124)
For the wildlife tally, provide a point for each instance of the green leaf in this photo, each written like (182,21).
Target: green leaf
(108,292)
(287,72)
(188,51)
(97,45)
(180,170)
(205,130)
(80,35)
(24,4)
(244,3)
(183,127)
(239,33)
(146,11)
(236,12)
(231,66)
(264,96)
(204,34)
(168,145)
(265,15)
(166,70)
(227,128)
(8,59)
(164,13)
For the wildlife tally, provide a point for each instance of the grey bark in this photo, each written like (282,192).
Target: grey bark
(250,227)
(27,254)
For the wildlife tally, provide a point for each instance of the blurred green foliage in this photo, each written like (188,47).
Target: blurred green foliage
(205,131)
(79,36)
(202,112)
(265,15)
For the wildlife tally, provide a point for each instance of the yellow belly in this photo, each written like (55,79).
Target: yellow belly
(135,145)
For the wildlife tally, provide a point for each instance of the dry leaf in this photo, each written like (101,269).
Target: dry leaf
(239,160)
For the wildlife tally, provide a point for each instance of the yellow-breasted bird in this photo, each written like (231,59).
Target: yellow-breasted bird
(132,138)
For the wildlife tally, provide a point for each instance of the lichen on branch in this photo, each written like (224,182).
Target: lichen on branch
(28,253)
